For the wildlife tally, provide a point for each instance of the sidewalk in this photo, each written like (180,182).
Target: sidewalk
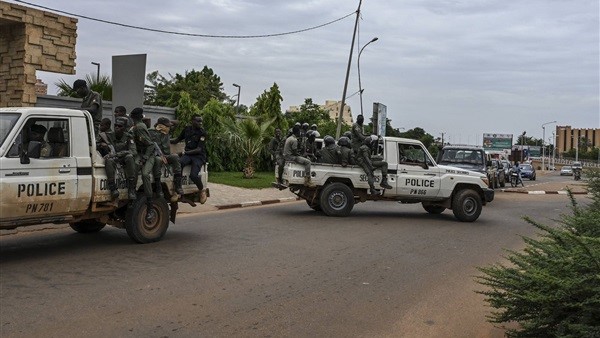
(558,187)
(228,197)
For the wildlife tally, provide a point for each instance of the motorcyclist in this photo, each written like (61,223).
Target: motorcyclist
(517,170)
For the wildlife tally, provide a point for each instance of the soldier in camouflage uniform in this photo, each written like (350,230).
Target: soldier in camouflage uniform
(160,135)
(363,159)
(279,159)
(290,153)
(92,102)
(358,136)
(124,154)
(346,153)
(330,154)
(145,155)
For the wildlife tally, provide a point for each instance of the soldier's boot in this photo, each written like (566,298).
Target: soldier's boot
(308,182)
(198,182)
(371,182)
(131,193)
(114,193)
(177,184)
(384,183)
(158,189)
(150,212)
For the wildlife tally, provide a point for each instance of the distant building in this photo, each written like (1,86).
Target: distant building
(566,138)
(332,107)
(41,88)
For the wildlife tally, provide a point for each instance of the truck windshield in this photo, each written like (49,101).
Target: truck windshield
(462,156)
(7,122)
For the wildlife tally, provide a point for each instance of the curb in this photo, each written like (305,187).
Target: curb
(256,203)
(543,192)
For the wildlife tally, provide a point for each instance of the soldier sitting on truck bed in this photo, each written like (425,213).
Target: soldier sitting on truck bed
(122,151)
(346,153)
(290,153)
(363,158)
(160,135)
(330,154)
(145,156)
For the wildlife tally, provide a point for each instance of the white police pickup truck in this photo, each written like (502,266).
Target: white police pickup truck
(413,174)
(61,179)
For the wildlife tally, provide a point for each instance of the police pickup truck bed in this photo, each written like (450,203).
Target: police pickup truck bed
(412,172)
(67,183)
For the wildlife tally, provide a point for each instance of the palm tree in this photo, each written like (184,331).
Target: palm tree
(250,138)
(103,85)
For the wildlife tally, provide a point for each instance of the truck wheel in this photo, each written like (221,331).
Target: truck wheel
(433,209)
(146,230)
(316,205)
(87,227)
(466,205)
(337,199)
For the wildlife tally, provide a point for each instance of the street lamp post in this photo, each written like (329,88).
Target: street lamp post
(97,64)
(360,90)
(553,151)
(543,143)
(237,108)
(523,146)
(341,114)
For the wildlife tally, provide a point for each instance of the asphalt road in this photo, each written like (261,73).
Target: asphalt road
(281,270)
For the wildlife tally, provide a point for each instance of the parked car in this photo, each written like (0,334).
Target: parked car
(566,170)
(577,164)
(527,171)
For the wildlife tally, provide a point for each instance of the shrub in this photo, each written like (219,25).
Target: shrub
(552,288)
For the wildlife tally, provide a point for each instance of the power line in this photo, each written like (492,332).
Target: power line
(186,34)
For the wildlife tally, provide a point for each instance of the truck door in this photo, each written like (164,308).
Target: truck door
(417,176)
(46,187)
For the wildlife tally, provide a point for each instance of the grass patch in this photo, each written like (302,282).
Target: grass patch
(260,180)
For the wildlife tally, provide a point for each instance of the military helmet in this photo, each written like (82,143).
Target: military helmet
(348,134)
(368,140)
(298,124)
(305,126)
(313,126)
(344,142)
(329,140)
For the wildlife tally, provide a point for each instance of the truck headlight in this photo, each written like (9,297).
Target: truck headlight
(486,181)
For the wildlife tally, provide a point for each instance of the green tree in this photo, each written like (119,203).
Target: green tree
(552,288)
(250,138)
(419,134)
(103,86)
(268,107)
(202,86)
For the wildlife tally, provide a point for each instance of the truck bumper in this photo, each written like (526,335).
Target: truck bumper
(488,195)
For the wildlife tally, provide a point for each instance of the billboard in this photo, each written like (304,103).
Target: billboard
(497,141)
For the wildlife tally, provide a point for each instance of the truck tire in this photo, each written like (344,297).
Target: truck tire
(433,209)
(87,227)
(337,200)
(466,205)
(144,230)
(316,205)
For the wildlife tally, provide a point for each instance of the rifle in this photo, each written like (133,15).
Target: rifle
(158,152)
(111,149)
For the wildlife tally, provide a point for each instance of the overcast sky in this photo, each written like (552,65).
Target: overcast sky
(462,67)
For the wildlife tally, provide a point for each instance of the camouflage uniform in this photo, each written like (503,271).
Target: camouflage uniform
(125,153)
(145,154)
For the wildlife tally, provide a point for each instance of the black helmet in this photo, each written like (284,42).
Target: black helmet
(368,140)
(305,126)
(344,142)
(348,134)
(311,134)
(313,127)
(298,124)
(329,140)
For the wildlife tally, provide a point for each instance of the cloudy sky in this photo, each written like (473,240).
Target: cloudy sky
(461,67)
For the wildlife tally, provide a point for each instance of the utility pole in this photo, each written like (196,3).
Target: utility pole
(341,114)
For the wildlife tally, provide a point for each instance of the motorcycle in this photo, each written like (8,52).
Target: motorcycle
(515,179)
(577,174)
